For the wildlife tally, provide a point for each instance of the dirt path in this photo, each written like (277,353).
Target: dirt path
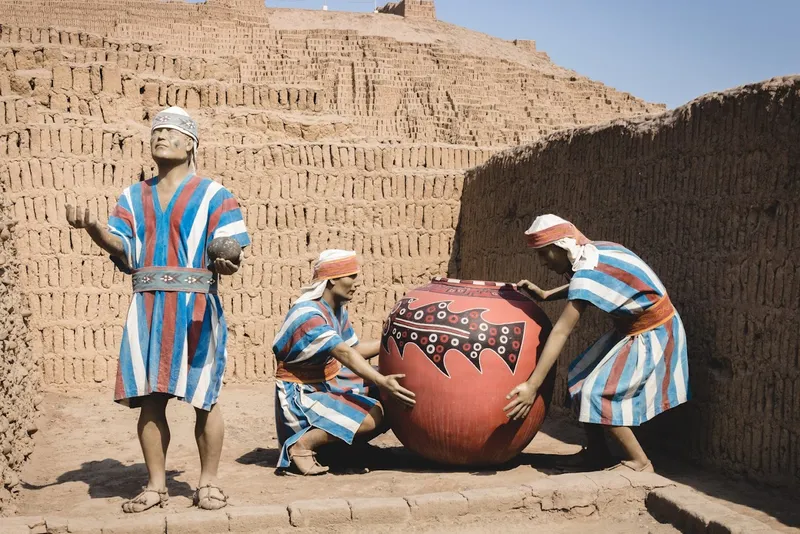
(87,459)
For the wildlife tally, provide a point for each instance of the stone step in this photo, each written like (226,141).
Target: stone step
(617,503)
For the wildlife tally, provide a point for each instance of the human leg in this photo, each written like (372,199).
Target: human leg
(154,436)
(209,432)
(636,458)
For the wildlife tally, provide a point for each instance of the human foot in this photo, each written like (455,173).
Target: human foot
(632,465)
(306,462)
(147,499)
(210,497)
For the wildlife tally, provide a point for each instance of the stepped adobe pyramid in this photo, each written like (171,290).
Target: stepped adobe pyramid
(334,129)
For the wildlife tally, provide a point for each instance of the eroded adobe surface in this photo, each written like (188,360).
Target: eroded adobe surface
(333,129)
(708,195)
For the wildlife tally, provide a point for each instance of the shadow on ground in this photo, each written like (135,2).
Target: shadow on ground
(777,503)
(111,478)
(345,459)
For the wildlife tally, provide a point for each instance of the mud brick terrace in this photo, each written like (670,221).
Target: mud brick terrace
(428,149)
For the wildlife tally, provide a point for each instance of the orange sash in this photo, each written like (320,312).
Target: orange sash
(656,315)
(308,374)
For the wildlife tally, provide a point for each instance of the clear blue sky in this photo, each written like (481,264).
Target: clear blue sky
(667,51)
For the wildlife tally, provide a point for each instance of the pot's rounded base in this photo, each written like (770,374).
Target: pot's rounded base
(463,345)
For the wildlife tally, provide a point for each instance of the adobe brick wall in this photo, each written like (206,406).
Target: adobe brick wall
(708,195)
(396,88)
(65,139)
(331,130)
(20,374)
(74,114)
(393,8)
(422,9)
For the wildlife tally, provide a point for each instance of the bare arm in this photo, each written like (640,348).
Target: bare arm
(99,234)
(540,295)
(368,349)
(523,396)
(556,341)
(356,363)
(559,293)
(106,240)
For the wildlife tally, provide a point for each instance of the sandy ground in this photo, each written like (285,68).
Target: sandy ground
(87,461)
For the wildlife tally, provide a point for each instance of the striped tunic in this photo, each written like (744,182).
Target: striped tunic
(626,380)
(173,342)
(337,406)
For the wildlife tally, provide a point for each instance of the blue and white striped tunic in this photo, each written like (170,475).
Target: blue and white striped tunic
(338,406)
(173,342)
(626,380)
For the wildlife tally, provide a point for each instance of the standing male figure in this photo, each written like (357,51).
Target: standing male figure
(173,344)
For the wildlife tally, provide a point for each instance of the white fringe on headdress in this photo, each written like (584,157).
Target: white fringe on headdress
(316,288)
(580,256)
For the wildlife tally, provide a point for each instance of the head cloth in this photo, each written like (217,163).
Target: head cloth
(331,264)
(175,118)
(553,230)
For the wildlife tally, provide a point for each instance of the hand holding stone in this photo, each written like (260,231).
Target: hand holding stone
(225,267)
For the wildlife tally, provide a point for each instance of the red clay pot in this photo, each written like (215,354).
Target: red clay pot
(463,345)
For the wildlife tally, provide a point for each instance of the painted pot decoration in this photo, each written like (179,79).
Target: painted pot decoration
(463,345)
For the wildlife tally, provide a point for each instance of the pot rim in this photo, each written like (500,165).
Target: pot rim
(481,283)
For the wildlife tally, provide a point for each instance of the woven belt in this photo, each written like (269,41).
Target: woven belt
(174,279)
(653,317)
(308,374)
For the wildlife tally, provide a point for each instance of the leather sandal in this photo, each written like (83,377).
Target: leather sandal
(210,501)
(315,469)
(627,465)
(139,503)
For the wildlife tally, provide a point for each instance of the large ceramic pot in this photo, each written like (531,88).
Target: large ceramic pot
(463,345)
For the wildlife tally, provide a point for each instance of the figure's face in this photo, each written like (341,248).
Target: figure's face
(344,288)
(554,258)
(167,144)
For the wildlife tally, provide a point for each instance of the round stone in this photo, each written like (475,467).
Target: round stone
(226,248)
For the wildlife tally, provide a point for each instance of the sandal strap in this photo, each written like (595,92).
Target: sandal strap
(210,486)
(302,454)
(161,493)
(629,465)
(163,498)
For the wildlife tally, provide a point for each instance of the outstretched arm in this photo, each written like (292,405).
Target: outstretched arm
(368,349)
(106,240)
(523,396)
(356,363)
(541,295)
